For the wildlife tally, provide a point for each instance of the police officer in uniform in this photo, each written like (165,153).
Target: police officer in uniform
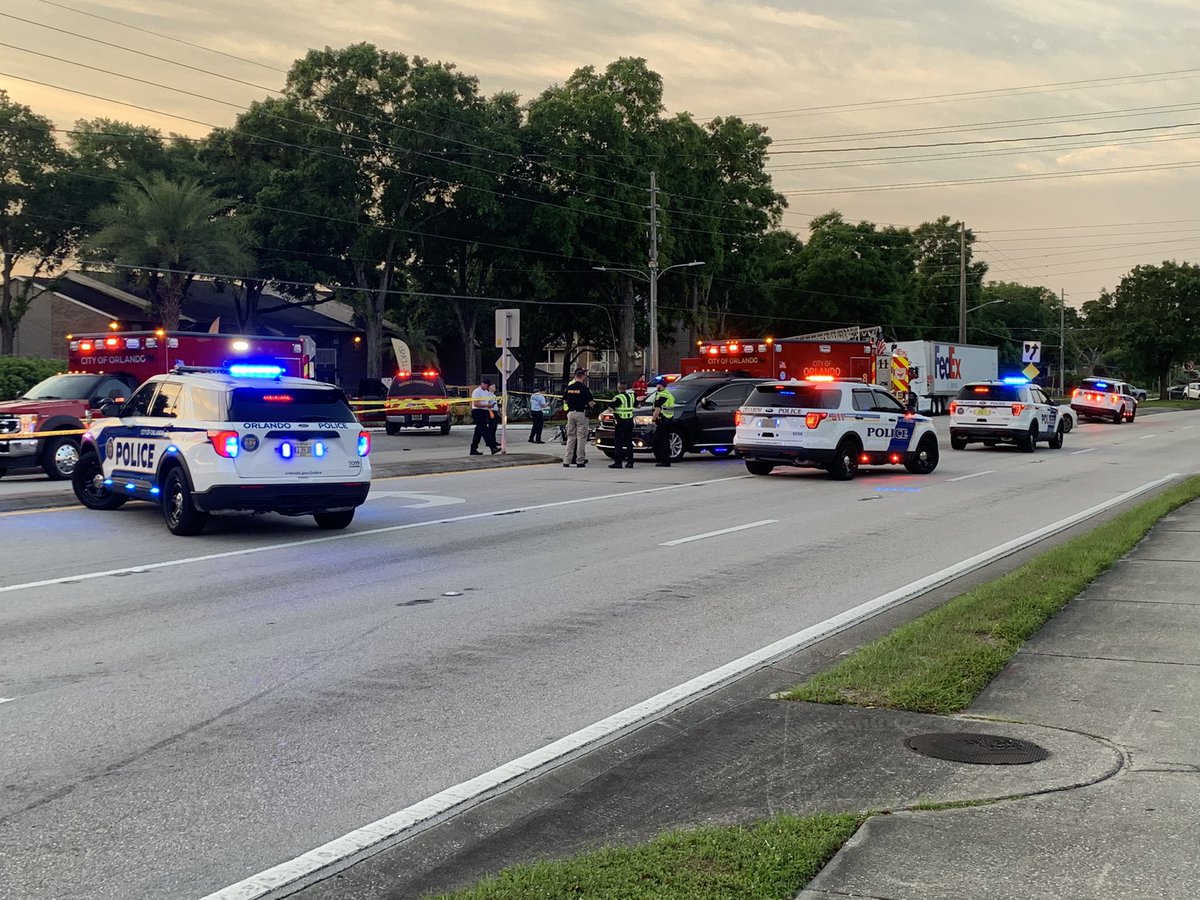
(664,412)
(577,400)
(622,406)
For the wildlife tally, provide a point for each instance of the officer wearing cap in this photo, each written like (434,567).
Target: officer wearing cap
(577,400)
(622,406)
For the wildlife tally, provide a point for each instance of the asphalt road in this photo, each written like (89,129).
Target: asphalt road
(182,713)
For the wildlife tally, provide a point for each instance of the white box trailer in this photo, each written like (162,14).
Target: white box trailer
(935,371)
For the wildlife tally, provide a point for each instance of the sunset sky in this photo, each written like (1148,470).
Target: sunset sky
(993,112)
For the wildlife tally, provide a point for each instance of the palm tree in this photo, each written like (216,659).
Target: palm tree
(173,230)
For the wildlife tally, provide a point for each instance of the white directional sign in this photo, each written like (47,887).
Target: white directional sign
(1031,352)
(508,328)
(507,363)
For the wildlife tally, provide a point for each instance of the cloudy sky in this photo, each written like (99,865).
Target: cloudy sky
(1066,134)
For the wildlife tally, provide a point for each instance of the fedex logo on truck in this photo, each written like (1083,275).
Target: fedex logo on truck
(947,366)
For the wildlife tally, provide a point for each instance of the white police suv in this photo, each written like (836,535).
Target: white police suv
(1010,411)
(1104,398)
(834,425)
(200,440)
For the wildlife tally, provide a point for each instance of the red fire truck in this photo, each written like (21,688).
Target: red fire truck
(42,427)
(786,358)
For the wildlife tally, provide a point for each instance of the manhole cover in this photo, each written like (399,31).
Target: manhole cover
(979,749)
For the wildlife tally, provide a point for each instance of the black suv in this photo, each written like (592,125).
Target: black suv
(705,405)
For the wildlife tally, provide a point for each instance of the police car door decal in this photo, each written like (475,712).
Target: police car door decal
(902,435)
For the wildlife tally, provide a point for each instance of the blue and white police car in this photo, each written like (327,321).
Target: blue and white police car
(1008,411)
(835,425)
(239,438)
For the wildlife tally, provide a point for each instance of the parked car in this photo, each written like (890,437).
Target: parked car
(705,406)
(1177,392)
(1192,391)
(417,400)
(1068,417)
(1139,394)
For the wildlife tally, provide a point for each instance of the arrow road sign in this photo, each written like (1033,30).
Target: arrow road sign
(1031,352)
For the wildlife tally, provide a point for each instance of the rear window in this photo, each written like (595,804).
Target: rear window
(1005,393)
(417,387)
(289,404)
(795,396)
(1098,384)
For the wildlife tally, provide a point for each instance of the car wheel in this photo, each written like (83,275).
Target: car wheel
(391,428)
(958,443)
(60,458)
(1119,416)
(1030,441)
(845,461)
(446,427)
(924,459)
(334,521)
(180,513)
(1067,424)
(1056,442)
(87,481)
(759,467)
(676,446)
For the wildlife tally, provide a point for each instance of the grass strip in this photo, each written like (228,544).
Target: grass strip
(1169,404)
(940,662)
(768,861)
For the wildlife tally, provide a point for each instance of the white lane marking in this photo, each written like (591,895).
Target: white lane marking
(1186,427)
(1145,437)
(425,498)
(351,535)
(31,512)
(972,475)
(6,699)
(708,534)
(1088,450)
(341,852)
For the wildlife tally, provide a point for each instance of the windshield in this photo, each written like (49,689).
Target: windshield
(795,396)
(686,392)
(417,387)
(289,405)
(1006,393)
(63,387)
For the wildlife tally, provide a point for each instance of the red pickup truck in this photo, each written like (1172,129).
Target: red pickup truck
(59,403)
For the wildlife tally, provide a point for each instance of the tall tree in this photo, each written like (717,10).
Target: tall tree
(400,124)
(938,277)
(35,227)
(1154,318)
(171,231)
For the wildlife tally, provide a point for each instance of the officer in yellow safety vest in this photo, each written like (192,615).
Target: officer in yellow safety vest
(622,406)
(664,412)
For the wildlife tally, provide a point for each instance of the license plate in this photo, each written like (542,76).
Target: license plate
(982,411)
(303,450)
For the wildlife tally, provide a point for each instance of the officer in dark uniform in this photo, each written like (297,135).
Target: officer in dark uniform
(664,412)
(622,406)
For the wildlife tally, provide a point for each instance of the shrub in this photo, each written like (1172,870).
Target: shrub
(19,373)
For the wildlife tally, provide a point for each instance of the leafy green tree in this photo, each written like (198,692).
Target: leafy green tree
(171,231)
(938,278)
(19,373)
(34,226)
(401,124)
(1152,319)
(855,274)
(1009,314)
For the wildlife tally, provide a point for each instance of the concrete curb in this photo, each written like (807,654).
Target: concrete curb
(58,499)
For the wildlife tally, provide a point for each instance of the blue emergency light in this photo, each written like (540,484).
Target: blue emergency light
(1100,384)
(1015,379)
(255,370)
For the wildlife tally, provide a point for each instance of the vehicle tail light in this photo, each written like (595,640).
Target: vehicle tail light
(1076,392)
(737,418)
(864,458)
(364,443)
(953,407)
(225,443)
(1017,408)
(813,419)
(1114,397)
(895,457)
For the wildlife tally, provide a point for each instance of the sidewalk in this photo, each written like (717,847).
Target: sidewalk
(1110,687)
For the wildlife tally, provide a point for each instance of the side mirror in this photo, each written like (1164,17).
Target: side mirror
(707,404)
(109,409)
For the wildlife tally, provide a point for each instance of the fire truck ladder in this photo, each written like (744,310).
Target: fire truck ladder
(857,334)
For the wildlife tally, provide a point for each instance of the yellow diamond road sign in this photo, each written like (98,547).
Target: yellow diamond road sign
(1031,371)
